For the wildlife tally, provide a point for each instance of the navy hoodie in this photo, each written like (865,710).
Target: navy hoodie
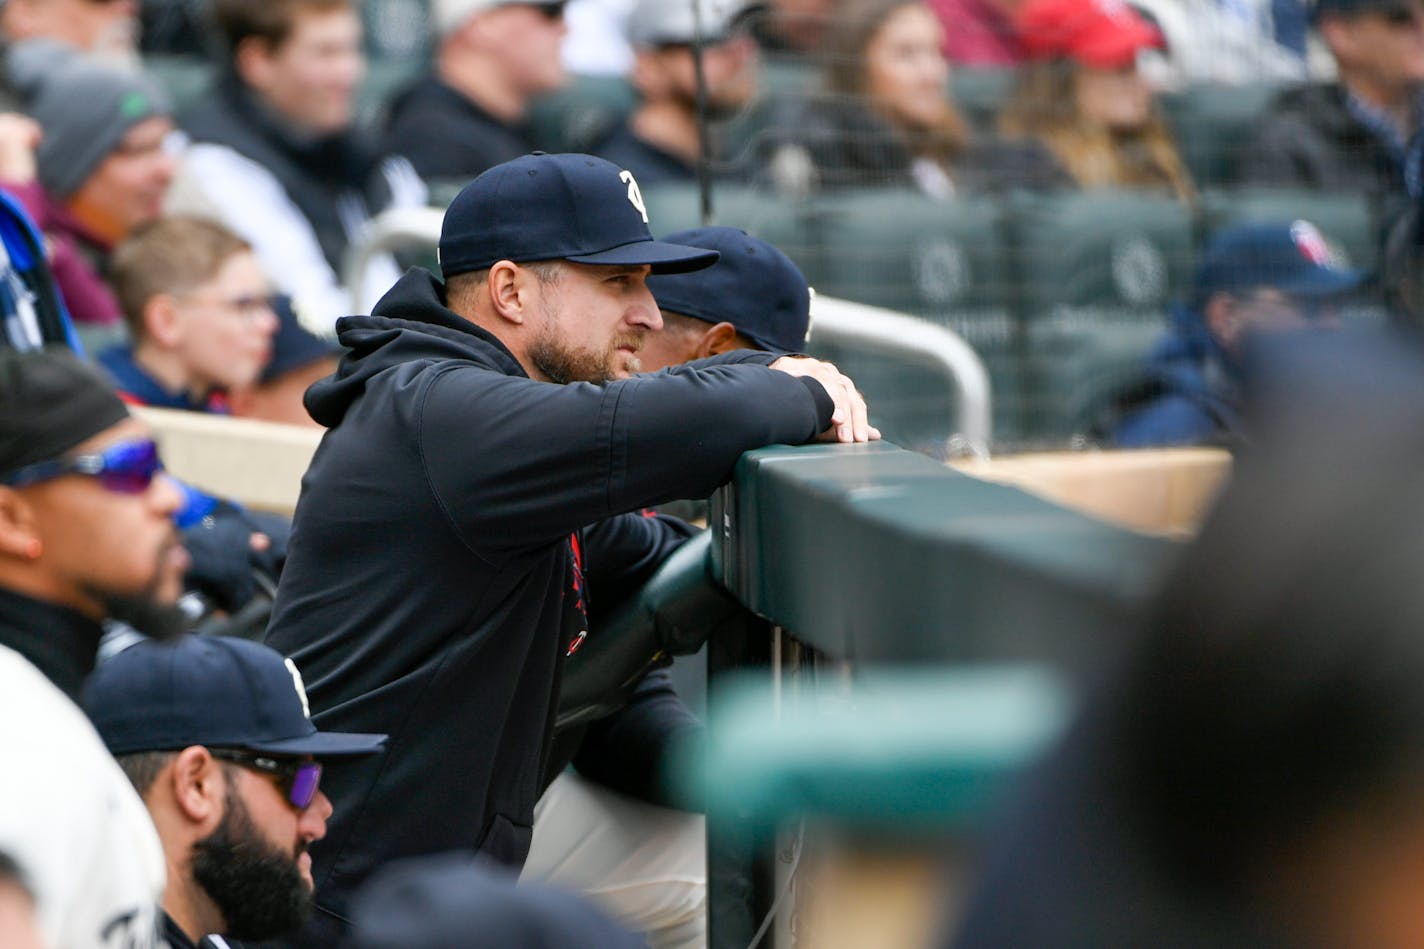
(435,577)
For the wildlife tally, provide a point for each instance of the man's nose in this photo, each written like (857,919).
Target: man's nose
(312,825)
(646,313)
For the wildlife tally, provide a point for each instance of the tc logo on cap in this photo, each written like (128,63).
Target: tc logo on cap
(635,195)
(1311,243)
(301,689)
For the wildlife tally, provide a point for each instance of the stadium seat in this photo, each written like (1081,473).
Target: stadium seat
(1213,123)
(1096,271)
(943,261)
(575,117)
(981,93)
(385,78)
(185,78)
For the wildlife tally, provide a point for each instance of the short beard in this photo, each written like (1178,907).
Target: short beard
(160,621)
(258,889)
(563,365)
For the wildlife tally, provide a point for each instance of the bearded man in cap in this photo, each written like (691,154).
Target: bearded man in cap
(86,534)
(475,499)
(216,735)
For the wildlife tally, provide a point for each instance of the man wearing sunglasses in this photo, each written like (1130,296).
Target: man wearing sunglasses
(86,535)
(1349,135)
(216,736)
(492,58)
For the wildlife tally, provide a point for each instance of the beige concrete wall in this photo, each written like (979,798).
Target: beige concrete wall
(258,463)
(1165,491)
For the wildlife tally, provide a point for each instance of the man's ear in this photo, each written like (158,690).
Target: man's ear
(198,784)
(719,338)
(19,533)
(162,323)
(1222,319)
(253,61)
(510,291)
(1338,35)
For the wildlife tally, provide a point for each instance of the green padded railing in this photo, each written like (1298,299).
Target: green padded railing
(875,554)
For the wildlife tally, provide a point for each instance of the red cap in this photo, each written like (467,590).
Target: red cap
(1101,34)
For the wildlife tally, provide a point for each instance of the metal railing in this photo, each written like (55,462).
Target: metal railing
(837,321)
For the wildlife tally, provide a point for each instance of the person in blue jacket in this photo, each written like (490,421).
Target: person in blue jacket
(477,497)
(1252,279)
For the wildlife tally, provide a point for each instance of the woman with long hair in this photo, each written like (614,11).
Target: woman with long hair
(1083,99)
(886,116)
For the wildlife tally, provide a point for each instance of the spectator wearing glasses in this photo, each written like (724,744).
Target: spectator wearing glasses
(216,736)
(660,143)
(492,57)
(196,303)
(1253,279)
(1351,134)
(86,535)
(278,159)
(94,166)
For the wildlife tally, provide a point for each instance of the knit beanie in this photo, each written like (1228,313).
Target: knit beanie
(86,106)
(50,402)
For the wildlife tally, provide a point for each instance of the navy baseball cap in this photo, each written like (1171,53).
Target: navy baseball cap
(1354,8)
(556,207)
(754,286)
(1292,257)
(210,690)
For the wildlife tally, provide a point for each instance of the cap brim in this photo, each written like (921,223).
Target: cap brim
(1122,47)
(660,255)
(1323,282)
(323,745)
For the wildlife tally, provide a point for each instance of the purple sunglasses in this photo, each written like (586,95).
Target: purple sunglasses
(298,779)
(126,467)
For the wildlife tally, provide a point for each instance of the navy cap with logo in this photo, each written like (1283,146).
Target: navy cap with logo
(1290,256)
(214,691)
(556,207)
(754,286)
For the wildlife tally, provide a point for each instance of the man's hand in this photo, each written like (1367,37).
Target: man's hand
(849,422)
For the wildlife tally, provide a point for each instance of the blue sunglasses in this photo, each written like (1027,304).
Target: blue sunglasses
(126,467)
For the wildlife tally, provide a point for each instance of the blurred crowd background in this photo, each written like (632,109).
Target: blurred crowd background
(1039,176)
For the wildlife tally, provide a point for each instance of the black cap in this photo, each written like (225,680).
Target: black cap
(460,899)
(754,286)
(1353,8)
(556,207)
(50,402)
(294,346)
(214,691)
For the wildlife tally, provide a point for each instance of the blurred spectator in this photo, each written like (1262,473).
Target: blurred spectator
(492,57)
(299,358)
(887,119)
(463,900)
(1230,42)
(216,737)
(1349,135)
(198,315)
(18,927)
(278,159)
(596,43)
(661,142)
(105,28)
(754,297)
(979,32)
(794,27)
(100,170)
(1252,279)
(85,535)
(1083,99)
(1251,776)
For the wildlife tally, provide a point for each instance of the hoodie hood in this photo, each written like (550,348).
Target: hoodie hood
(411,323)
